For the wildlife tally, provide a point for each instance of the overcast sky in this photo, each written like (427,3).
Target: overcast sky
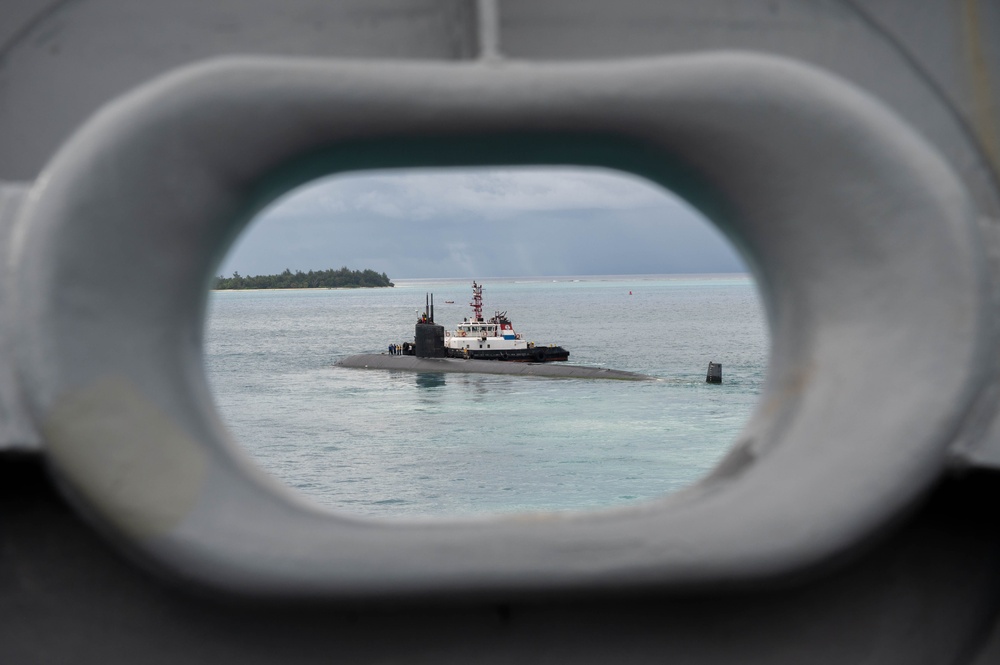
(479,223)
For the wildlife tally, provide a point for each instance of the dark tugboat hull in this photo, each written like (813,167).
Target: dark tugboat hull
(538,354)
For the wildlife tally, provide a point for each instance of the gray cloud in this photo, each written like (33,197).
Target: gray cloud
(483,223)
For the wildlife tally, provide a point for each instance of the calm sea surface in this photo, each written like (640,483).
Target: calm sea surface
(397,443)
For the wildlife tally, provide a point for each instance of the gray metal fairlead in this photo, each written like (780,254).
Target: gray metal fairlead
(849,523)
(872,256)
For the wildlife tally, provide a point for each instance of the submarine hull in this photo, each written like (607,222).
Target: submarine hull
(473,366)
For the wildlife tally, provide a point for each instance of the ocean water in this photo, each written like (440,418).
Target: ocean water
(381,443)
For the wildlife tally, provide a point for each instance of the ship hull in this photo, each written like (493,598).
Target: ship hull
(384,361)
(538,354)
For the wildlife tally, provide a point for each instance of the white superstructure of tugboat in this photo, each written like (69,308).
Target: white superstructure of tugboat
(495,338)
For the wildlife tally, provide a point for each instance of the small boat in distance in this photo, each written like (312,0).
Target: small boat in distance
(495,338)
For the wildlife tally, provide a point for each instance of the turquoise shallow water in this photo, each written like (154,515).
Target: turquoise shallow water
(398,443)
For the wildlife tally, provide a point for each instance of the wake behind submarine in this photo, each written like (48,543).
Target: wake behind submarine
(480,346)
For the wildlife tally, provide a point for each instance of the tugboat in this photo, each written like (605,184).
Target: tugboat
(495,339)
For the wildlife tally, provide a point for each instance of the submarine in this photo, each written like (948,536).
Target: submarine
(480,346)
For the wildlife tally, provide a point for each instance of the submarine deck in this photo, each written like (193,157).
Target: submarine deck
(460,365)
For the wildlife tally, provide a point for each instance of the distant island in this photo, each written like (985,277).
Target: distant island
(314,279)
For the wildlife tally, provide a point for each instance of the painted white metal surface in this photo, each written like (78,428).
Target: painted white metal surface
(872,255)
(921,593)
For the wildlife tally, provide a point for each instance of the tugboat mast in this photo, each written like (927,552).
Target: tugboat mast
(477,302)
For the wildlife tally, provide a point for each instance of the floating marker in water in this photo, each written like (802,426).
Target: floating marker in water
(714,373)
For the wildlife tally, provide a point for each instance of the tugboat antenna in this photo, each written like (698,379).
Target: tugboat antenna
(477,302)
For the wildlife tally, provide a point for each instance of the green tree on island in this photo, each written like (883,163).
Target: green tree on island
(314,279)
